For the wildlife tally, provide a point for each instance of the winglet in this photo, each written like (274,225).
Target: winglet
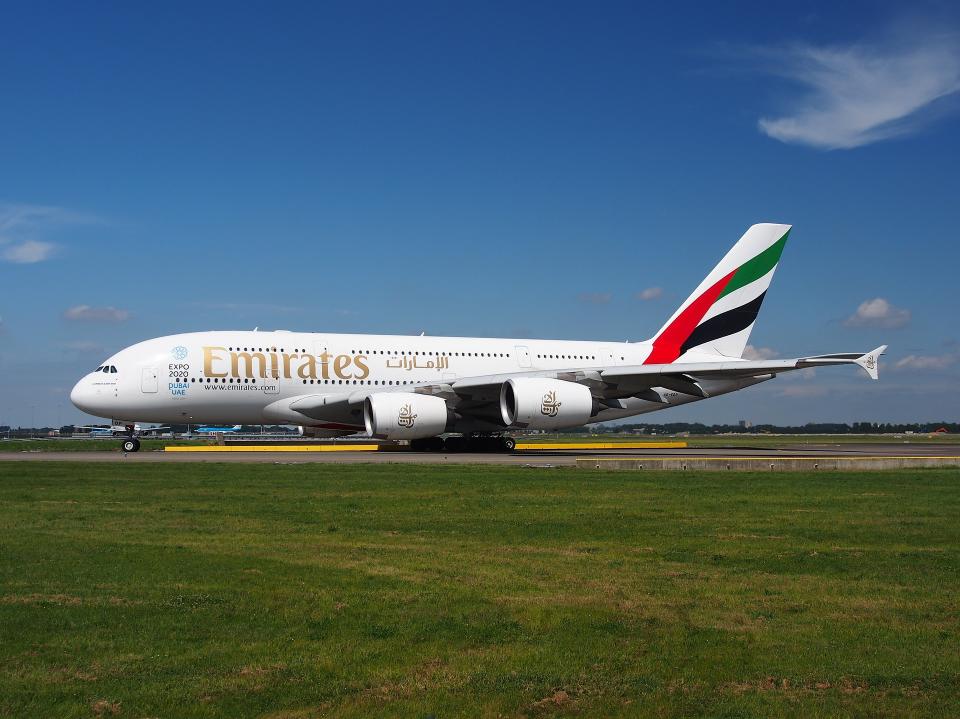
(871,361)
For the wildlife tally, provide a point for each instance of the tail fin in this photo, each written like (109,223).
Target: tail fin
(718,316)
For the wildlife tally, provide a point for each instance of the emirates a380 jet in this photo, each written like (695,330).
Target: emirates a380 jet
(474,389)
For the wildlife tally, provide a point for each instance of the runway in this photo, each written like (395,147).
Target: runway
(533,458)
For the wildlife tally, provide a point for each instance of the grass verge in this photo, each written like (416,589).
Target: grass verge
(207,590)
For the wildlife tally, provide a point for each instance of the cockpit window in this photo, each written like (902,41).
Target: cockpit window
(98,368)
(113,370)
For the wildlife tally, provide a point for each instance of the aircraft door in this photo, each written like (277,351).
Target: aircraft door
(523,355)
(271,385)
(148,379)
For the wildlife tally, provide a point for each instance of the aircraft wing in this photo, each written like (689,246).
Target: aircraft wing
(471,394)
(681,377)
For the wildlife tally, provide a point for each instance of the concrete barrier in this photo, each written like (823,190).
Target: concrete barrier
(522,446)
(764,464)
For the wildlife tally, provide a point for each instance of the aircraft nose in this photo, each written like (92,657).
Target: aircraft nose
(82,396)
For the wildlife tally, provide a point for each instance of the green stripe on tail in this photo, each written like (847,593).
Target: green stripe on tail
(757,267)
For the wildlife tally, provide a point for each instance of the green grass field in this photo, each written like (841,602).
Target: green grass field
(205,590)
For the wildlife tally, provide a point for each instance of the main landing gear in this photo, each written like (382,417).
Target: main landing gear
(131,443)
(464,444)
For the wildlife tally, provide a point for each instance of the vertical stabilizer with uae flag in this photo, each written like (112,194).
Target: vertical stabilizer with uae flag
(717,318)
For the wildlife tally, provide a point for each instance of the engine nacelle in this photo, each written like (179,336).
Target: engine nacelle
(540,403)
(404,415)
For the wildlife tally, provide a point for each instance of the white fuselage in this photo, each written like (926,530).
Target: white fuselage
(250,377)
(416,388)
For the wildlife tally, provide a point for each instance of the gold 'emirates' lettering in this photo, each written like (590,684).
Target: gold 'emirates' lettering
(218,362)
(248,359)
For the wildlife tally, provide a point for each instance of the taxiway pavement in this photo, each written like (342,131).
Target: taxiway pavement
(540,458)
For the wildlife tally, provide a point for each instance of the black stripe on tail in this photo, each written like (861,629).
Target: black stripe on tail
(724,324)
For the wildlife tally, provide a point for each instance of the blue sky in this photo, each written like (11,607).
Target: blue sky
(482,169)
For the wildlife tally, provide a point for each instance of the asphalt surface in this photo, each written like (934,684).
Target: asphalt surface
(537,458)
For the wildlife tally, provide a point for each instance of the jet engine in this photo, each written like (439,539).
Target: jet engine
(404,415)
(540,403)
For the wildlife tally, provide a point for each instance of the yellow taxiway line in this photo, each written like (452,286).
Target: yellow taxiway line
(767,459)
(279,448)
(521,446)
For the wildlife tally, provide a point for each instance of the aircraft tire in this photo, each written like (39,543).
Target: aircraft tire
(131,445)
(508,444)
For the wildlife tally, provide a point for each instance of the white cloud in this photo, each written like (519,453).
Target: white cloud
(22,228)
(650,293)
(86,313)
(878,313)
(596,298)
(28,252)
(925,362)
(759,353)
(858,94)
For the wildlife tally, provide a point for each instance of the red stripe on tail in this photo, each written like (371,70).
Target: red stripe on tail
(666,346)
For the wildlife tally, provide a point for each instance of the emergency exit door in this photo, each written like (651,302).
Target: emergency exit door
(149,378)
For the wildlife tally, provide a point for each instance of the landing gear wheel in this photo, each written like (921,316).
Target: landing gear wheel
(508,444)
(131,445)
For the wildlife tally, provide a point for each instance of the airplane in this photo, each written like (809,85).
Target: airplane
(214,430)
(475,390)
